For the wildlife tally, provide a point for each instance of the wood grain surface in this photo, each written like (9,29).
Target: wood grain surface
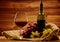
(9,8)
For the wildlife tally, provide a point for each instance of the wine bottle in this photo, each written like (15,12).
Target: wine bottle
(41,19)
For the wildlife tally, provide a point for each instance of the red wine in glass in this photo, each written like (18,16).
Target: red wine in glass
(23,23)
(19,22)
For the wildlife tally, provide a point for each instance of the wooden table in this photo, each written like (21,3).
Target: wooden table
(3,39)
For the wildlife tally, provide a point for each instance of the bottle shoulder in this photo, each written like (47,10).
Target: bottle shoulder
(41,13)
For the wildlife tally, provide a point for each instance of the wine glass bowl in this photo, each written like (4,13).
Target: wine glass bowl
(20,19)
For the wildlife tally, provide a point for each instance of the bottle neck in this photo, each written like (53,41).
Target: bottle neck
(41,8)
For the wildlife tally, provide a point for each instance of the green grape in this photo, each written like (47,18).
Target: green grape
(33,33)
(47,31)
(32,36)
(37,33)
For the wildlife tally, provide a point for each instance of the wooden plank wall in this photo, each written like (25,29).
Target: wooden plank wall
(31,7)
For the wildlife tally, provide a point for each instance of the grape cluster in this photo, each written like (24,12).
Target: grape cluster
(27,32)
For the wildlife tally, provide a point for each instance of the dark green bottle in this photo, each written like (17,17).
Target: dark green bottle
(41,19)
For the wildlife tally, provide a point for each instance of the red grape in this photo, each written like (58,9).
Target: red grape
(28,28)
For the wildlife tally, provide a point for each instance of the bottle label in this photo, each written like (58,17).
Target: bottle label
(41,17)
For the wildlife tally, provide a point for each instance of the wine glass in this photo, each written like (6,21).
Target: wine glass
(20,19)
